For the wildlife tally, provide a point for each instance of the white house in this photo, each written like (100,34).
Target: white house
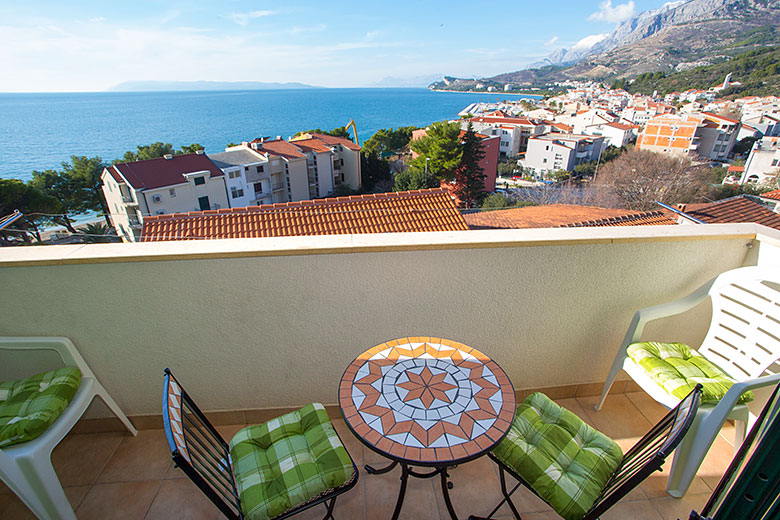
(550,152)
(763,163)
(170,184)
(247,177)
(616,134)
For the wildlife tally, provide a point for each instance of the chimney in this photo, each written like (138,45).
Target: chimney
(168,157)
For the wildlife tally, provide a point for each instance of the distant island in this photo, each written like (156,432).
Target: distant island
(139,86)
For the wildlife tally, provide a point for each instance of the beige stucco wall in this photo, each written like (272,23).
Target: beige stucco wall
(251,323)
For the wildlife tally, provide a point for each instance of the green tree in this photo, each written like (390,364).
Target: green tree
(411,179)
(98,234)
(157,150)
(496,201)
(388,140)
(469,176)
(441,147)
(190,148)
(64,189)
(32,202)
(336,132)
(85,173)
(373,169)
(507,168)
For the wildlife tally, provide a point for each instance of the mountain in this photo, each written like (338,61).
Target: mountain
(678,36)
(138,86)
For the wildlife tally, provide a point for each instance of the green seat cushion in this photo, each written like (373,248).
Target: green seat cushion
(29,406)
(563,459)
(287,462)
(677,368)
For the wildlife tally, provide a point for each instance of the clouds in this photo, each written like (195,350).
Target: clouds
(552,41)
(243,19)
(613,14)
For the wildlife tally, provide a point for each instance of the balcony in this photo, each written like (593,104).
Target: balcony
(278,186)
(254,176)
(553,326)
(128,200)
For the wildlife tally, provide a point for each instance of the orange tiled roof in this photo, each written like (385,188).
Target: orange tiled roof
(406,211)
(774,195)
(733,210)
(552,215)
(648,218)
(734,168)
(331,140)
(280,147)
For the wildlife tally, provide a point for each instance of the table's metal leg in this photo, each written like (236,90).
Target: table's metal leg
(446,485)
(402,492)
(374,471)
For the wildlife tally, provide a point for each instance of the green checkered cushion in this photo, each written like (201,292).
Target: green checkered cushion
(677,368)
(287,462)
(565,461)
(29,406)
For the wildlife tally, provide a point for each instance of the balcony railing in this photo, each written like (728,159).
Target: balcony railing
(553,304)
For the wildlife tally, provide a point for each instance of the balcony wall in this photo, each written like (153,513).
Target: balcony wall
(261,323)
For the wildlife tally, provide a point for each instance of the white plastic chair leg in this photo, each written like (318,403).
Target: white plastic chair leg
(17,482)
(48,499)
(740,431)
(106,398)
(617,365)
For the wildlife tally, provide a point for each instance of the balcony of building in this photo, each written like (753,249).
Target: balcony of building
(549,305)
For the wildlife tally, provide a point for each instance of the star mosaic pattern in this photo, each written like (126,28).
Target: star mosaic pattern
(427,400)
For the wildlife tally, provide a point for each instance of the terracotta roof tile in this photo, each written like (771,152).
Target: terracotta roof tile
(648,218)
(421,210)
(733,210)
(331,140)
(279,147)
(774,195)
(552,215)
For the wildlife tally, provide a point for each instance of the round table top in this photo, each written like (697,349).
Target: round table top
(427,401)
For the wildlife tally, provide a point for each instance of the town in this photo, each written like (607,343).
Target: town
(526,152)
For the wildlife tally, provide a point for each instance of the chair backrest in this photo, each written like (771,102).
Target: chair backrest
(198,449)
(649,454)
(744,334)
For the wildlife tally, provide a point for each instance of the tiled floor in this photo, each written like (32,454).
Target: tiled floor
(113,475)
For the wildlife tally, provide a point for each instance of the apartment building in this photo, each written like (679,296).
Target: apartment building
(551,152)
(513,131)
(615,134)
(307,167)
(763,163)
(707,135)
(170,184)
(247,176)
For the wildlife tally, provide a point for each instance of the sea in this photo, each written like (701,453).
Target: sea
(40,131)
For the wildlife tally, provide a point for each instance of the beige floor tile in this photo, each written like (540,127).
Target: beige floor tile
(673,508)
(228,431)
(654,486)
(181,499)
(351,443)
(649,407)
(145,456)
(351,505)
(118,501)
(546,515)
(618,418)
(476,489)
(574,406)
(79,458)
(12,507)
(382,492)
(640,510)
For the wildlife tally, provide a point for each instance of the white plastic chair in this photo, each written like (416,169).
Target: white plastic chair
(743,340)
(26,468)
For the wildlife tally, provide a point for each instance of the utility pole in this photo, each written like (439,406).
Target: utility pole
(426,170)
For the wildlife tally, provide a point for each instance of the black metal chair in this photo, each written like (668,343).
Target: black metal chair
(644,458)
(205,457)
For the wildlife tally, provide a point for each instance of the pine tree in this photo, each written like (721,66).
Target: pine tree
(469,177)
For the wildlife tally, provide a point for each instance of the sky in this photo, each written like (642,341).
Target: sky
(56,46)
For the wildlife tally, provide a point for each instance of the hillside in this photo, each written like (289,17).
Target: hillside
(680,36)
(757,70)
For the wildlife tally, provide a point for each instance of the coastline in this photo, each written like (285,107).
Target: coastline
(524,94)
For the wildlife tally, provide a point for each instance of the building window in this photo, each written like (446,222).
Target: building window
(203,203)
(236,192)
(774,162)
(172,192)
(260,169)
(258,188)
(235,175)
(199,180)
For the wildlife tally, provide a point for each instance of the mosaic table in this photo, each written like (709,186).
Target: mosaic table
(427,402)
